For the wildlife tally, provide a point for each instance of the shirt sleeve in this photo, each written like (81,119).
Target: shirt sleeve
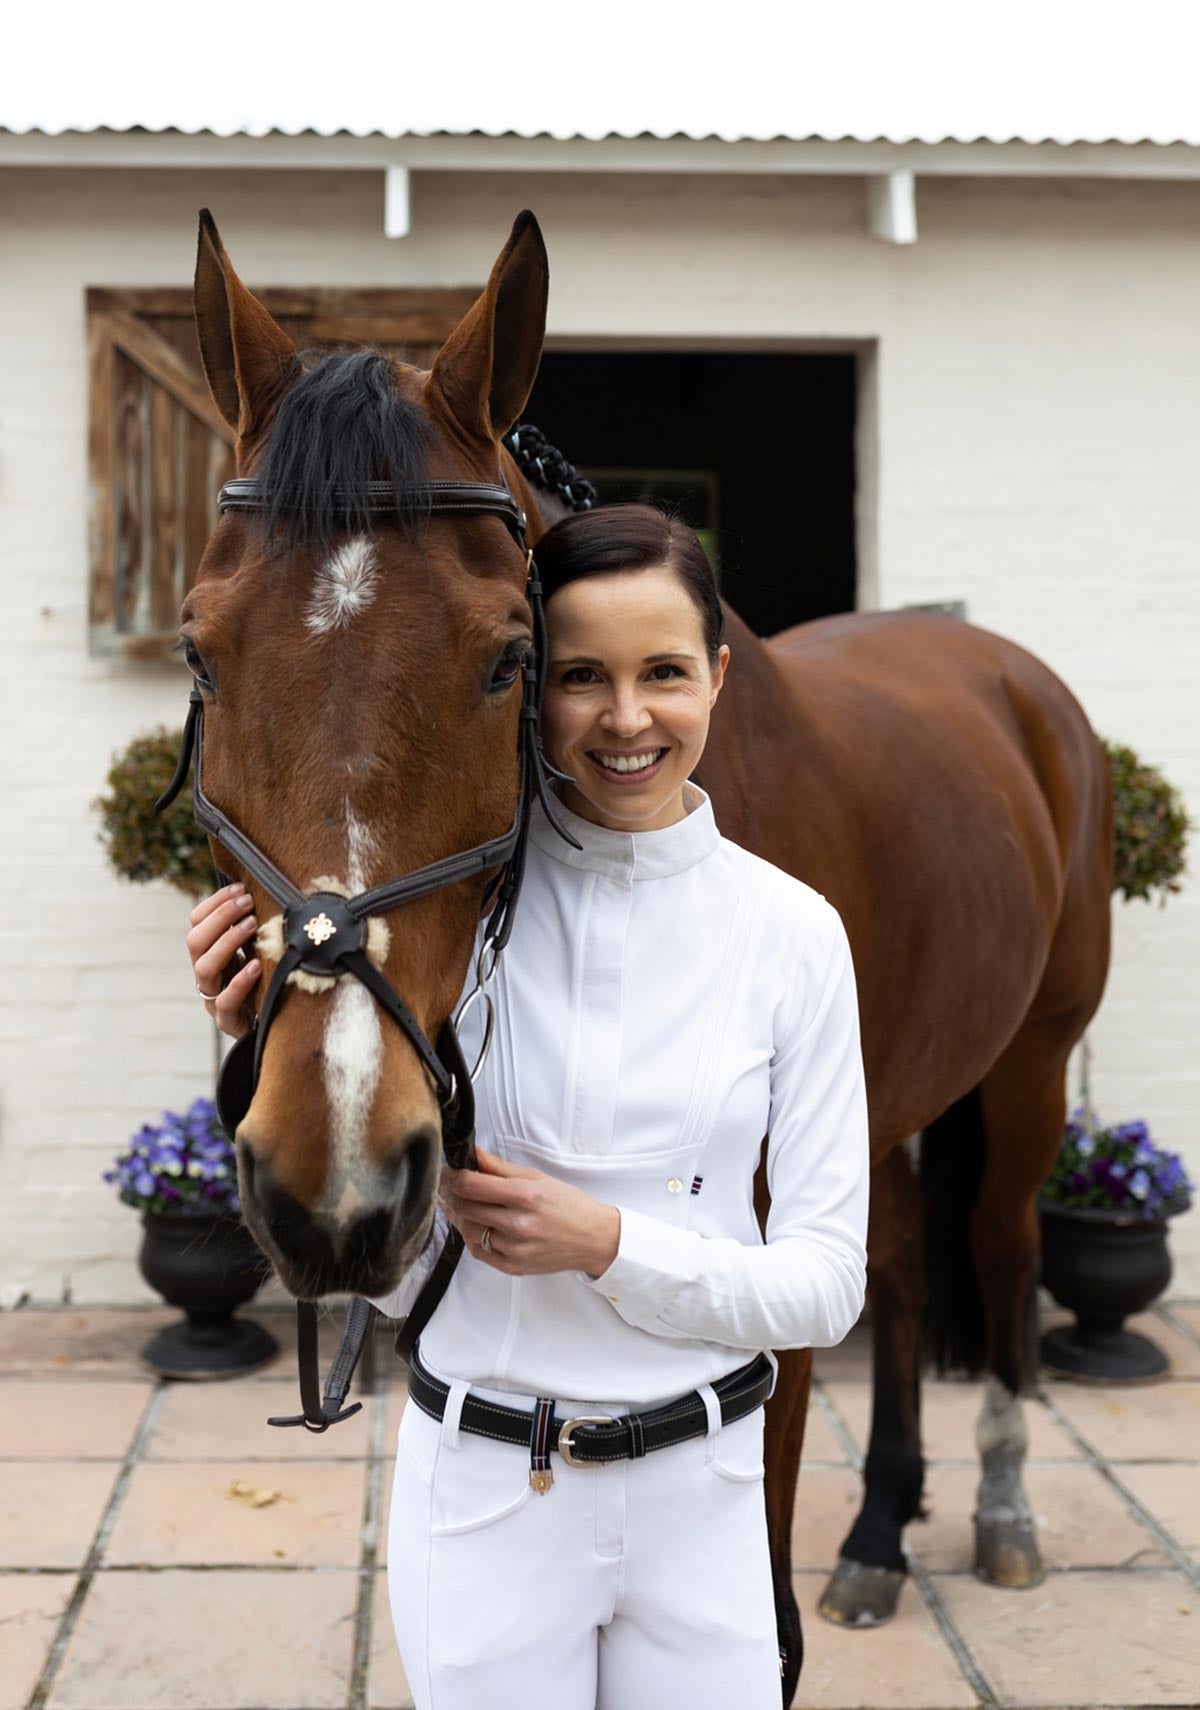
(399,1303)
(805,1287)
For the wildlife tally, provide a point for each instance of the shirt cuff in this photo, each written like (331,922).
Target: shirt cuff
(650,1268)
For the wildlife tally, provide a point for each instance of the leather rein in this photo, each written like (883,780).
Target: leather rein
(325,934)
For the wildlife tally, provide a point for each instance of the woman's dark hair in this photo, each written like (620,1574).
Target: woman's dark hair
(631,537)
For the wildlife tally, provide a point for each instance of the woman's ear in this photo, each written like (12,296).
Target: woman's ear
(718,674)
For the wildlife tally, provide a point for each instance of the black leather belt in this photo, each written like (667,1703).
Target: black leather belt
(589,1439)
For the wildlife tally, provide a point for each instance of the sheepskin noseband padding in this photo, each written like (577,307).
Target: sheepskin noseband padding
(268,942)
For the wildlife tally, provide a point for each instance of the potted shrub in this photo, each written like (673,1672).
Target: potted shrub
(181,1174)
(1103,1216)
(1103,1212)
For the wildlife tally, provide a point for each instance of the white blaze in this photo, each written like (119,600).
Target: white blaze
(344,586)
(353,1051)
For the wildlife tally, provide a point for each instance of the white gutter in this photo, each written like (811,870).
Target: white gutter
(890,168)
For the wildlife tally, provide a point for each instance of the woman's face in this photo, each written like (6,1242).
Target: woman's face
(629,691)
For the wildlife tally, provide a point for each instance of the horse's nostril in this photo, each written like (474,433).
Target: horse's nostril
(408,1175)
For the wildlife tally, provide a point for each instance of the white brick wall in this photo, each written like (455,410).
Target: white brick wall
(1037,456)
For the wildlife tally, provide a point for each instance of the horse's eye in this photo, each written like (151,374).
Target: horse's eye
(195,663)
(508,668)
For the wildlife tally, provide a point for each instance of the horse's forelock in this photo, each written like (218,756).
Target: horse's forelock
(341,424)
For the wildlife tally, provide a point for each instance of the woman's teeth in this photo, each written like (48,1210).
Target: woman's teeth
(629,762)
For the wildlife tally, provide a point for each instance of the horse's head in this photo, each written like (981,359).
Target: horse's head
(361,682)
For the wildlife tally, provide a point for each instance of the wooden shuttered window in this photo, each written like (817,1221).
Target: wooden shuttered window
(158,449)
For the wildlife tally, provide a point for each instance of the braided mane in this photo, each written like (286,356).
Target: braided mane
(544,465)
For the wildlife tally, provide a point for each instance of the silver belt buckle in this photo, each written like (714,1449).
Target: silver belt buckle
(568,1425)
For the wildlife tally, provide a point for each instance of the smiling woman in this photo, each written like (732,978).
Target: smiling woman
(636,661)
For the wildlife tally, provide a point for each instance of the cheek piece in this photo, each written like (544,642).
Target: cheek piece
(325,934)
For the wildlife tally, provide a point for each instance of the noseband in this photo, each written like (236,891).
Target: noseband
(325,934)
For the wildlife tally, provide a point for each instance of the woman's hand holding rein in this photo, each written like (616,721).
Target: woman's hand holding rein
(220,925)
(538,1223)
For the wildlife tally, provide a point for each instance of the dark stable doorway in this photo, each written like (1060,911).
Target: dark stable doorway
(756,450)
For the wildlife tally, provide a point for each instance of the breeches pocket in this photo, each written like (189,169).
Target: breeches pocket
(474,1483)
(736,1451)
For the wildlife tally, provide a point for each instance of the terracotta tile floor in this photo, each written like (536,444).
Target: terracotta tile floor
(152,1534)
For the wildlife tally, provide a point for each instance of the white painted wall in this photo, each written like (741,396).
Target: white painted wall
(1038,349)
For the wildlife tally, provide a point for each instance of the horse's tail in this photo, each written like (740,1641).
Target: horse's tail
(951,1170)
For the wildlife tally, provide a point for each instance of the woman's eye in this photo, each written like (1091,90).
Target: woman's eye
(509,668)
(672,671)
(578,674)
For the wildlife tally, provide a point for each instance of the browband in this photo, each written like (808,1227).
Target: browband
(461,498)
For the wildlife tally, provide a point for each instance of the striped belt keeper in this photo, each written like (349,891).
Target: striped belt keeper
(540,1475)
(637,1437)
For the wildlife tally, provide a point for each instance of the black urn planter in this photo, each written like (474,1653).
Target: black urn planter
(1102,1265)
(207,1266)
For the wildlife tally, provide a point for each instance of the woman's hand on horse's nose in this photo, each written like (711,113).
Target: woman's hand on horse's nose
(220,926)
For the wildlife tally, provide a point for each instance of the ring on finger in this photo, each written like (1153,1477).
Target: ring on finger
(209,997)
(485,1240)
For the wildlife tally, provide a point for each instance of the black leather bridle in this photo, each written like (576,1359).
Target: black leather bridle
(325,934)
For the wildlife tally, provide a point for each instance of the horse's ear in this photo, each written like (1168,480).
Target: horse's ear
(486,368)
(246,355)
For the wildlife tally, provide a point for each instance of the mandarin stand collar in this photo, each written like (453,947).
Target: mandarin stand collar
(630,856)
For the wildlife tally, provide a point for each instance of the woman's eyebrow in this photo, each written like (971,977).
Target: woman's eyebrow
(650,659)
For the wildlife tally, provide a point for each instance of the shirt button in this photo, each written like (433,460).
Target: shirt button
(674,1185)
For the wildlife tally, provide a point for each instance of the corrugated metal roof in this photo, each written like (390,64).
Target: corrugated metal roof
(930,71)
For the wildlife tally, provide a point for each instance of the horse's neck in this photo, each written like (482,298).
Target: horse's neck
(762,759)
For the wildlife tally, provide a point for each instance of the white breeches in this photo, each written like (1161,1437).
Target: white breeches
(632,1586)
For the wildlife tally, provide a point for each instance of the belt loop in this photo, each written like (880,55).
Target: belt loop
(453,1413)
(637,1434)
(712,1407)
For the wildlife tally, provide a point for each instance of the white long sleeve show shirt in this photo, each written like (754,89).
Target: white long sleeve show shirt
(666,999)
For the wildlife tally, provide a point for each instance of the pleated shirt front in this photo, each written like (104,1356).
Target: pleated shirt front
(667,1000)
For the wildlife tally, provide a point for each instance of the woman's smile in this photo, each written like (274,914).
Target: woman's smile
(623,768)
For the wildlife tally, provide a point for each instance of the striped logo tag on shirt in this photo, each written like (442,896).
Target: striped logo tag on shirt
(696,1181)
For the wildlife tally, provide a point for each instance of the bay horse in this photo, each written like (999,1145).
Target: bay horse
(937,783)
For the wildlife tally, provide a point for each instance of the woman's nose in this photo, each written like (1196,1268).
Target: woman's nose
(626,714)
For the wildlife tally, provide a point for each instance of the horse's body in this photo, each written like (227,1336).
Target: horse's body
(945,791)
(935,782)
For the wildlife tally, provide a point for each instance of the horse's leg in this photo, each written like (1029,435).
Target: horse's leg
(787,1411)
(1024,1108)
(783,1443)
(865,1585)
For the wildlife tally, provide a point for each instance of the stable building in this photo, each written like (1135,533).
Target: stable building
(875,371)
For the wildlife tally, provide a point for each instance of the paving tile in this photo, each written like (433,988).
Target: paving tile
(1183,1353)
(948,1414)
(228,1422)
(49,1511)
(106,1341)
(1080,1520)
(820,1443)
(230,1514)
(31,1606)
(50,1419)
(388,1469)
(827,1499)
(1187,1314)
(387,1683)
(1172,1494)
(1083,1638)
(181,1640)
(1134,1422)
(904,1665)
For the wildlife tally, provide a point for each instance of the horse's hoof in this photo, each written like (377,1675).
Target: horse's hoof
(858,1595)
(1006,1554)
